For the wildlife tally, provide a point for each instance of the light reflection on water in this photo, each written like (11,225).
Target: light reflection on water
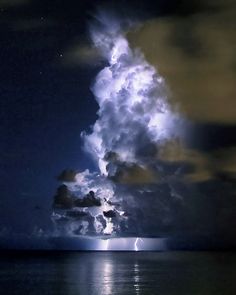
(108,273)
(136,278)
(107,285)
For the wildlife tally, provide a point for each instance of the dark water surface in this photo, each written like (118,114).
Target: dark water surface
(96,273)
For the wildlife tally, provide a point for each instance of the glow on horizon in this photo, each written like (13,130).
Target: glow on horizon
(132,244)
(136,244)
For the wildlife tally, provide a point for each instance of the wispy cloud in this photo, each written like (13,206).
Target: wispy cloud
(12,3)
(36,23)
(82,55)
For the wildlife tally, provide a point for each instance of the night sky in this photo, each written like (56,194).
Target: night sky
(48,66)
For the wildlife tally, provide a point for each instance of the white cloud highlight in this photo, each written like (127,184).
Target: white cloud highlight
(134,117)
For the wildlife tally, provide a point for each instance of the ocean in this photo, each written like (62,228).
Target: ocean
(108,273)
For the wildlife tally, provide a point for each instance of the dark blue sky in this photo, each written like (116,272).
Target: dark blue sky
(44,107)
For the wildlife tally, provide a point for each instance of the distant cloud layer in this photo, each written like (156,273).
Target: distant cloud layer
(196,55)
(6,3)
(82,55)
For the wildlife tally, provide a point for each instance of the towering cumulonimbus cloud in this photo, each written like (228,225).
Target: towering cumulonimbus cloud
(126,196)
(133,110)
(152,180)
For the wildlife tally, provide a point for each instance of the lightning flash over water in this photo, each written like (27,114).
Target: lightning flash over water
(136,244)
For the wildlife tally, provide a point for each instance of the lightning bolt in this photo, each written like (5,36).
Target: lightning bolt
(136,244)
(106,246)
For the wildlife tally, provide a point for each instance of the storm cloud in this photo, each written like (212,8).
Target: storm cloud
(150,181)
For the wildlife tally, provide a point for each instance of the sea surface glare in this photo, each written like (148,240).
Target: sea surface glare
(110,273)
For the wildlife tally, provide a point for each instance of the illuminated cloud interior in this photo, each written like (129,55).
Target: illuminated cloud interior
(129,195)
